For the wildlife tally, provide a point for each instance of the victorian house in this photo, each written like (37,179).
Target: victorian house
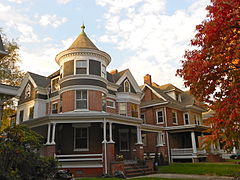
(179,115)
(89,117)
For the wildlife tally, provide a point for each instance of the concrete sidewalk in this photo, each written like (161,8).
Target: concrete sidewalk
(186,176)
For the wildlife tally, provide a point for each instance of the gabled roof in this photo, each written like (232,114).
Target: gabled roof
(83,42)
(118,75)
(41,81)
(169,87)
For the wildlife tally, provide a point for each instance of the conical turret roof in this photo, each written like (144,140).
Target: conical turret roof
(83,41)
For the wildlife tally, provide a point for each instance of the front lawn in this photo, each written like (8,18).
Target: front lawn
(148,178)
(218,169)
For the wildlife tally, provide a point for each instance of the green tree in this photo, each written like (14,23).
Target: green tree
(10,73)
(20,155)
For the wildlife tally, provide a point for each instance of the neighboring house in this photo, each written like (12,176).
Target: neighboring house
(179,115)
(88,116)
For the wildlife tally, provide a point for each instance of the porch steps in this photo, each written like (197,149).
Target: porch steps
(137,170)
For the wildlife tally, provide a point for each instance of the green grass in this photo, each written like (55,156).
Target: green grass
(218,169)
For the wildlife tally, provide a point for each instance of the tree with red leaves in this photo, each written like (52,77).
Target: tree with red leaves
(212,69)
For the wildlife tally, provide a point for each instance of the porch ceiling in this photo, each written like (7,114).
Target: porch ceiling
(186,128)
(83,117)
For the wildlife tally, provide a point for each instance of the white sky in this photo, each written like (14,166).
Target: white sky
(146,36)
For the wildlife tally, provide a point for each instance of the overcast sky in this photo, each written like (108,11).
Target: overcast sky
(146,36)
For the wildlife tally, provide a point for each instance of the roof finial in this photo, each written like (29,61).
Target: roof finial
(83,27)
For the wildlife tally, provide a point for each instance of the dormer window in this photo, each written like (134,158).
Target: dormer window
(126,86)
(28,91)
(81,67)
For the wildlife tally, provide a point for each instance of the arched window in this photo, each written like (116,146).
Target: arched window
(28,91)
(126,86)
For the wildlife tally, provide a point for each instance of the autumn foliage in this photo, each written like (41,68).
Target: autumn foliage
(212,69)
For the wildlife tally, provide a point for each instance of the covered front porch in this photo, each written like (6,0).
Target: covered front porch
(186,144)
(89,146)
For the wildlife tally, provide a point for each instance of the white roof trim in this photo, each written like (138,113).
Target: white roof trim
(131,80)
(158,95)
(24,83)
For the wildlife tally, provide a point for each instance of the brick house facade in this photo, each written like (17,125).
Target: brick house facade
(90,117)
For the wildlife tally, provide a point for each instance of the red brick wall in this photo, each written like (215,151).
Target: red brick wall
(68,101)
(86,172)
(49,109)
(95,100)
(179,117)
(149,95)
(151,142)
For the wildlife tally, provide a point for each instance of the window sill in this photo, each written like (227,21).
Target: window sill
(80,110)
(80,150)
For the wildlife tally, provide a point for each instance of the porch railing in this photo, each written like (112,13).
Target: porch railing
(79,157)
(186,152)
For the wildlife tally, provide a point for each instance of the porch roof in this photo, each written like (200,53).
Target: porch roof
(186,128)
(83,117)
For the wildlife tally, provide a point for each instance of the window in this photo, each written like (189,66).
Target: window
(54,108)
(134,110)
(144,139)
(31,111)
(28,91)
(122,109)
(143,117)
(104,102)
(81,99)
(197,120)
(104,71)
(81,67)
(21,115)
(160,116)
(61,71)
(124,139)
(161,139)
(174,117)
(186,118)
(55,86)
(81,139)
(126,86)
(110,103)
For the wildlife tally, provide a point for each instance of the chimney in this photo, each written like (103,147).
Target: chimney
(114,71)
(148,79)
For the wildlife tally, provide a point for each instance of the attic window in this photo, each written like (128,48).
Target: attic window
(28,91)
(126,86)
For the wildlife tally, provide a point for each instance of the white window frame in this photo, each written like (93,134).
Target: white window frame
(174,112)
(103,71)
(185,118)
(114,104)
(77,109)
(81,149)
(87,66)
(28,89)
(58,77)
(161,139)
(29,112)
(163,115)
(126,81)
(52,108)
(125,107)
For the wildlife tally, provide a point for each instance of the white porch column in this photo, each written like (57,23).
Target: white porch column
(53,133)
(104,132)
(48,133)
(193,142)
(110,133)
(139,135)
(234,150)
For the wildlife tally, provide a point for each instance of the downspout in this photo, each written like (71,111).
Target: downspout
(168,148)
